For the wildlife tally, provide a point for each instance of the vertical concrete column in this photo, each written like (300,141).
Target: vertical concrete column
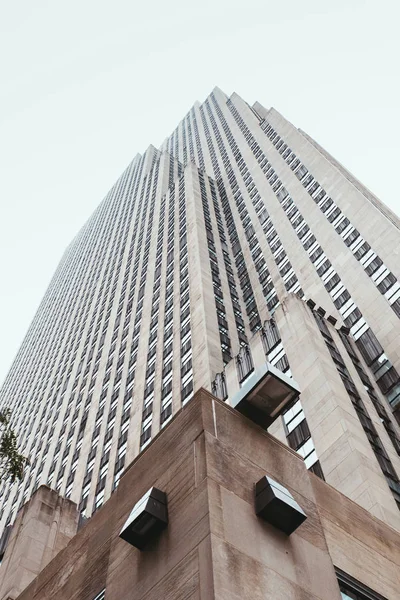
(43,527)
(205,335)
(346,456)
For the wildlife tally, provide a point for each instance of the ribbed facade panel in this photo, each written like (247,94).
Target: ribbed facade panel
(182,278)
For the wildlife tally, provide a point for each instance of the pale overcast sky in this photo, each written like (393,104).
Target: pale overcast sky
(87,84)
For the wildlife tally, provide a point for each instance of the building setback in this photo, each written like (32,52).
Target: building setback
(239,241)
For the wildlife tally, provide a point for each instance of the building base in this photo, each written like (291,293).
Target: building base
(208,460)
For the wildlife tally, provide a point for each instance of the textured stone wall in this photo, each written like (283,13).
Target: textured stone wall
(43,528)
(207,460)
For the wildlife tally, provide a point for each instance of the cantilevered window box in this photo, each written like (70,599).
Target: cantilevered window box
(265,395)
(148,518)
(276,505)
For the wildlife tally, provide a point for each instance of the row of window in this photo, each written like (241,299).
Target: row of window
(99,492)
(40,437)
(298,434)
(147,414)
(386,376)
(252,312)
(237,309)
(77,403)
(382,457)
(277,250)
(382,277)
(215,276)
(244,279)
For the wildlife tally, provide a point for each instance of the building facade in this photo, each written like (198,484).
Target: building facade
(207,461)
(239,241)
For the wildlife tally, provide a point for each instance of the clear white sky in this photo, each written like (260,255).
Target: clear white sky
(86,84)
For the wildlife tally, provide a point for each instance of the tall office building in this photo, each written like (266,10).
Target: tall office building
(239,241)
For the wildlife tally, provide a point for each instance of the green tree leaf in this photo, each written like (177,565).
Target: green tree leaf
(12,463)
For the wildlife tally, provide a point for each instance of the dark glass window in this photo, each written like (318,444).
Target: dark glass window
(351,589)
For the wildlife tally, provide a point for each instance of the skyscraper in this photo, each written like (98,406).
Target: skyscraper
(239,241)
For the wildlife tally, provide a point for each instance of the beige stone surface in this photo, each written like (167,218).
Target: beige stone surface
(208,459)
(43,528)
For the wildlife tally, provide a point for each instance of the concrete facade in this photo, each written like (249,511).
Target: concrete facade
(170,286)
(207,460)
(42,529)
(341,444)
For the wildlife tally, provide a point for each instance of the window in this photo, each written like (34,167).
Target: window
(299,435)
(351,589)
(99,499)
(244,363)
(219,388)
